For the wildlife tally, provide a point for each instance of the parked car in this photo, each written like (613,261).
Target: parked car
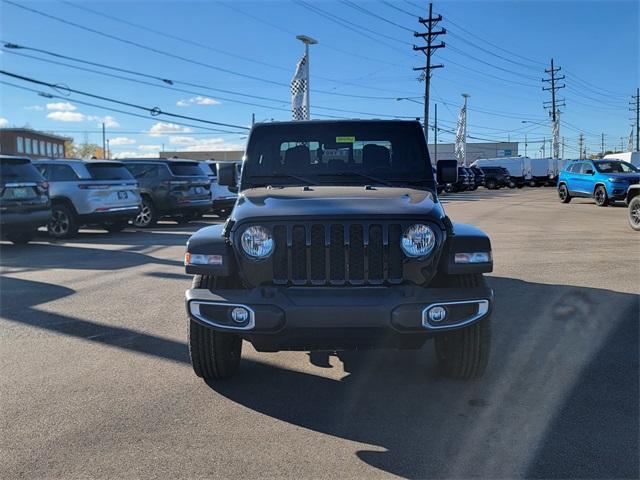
(495,177)
(633,203)
(24,199)
(480,177)
(224,198)
(603,180)
(170,188)
(473,183)
(462,184)
(324,253)
(515,166)
(94,192)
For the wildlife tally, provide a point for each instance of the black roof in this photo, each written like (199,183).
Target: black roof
(158,160)
(347,121)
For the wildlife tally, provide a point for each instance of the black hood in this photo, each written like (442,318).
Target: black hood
(336,201)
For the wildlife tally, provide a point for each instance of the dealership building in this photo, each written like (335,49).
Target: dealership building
(29,143)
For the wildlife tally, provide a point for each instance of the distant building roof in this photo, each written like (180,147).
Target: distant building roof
(36,132)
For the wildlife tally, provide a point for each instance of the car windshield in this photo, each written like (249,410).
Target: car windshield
(18,169)
(108,171)
(615,167)
(186,169)
(337,153)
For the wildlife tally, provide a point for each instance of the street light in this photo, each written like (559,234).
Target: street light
(307,41)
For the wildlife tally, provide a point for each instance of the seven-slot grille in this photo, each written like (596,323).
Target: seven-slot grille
(337,253)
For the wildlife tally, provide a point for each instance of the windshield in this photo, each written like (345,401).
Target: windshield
(108,171)
(18,170)
(337,153)
(207,168)
(615,166)
(186,169)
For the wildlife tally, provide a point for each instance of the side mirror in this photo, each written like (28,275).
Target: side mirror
(227,176)
(447,171)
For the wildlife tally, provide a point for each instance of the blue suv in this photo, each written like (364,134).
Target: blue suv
(604,180)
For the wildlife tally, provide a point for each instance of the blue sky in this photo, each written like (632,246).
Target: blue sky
(496,52)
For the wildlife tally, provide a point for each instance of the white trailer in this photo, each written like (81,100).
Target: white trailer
(631,157)
(539,171)
(515,166)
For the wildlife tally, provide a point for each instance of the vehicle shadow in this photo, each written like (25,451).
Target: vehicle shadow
(561,390)
(40,256)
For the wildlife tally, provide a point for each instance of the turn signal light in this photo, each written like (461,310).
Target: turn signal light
(202,259)
(473,257)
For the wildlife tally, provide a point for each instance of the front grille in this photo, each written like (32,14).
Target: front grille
(337,254)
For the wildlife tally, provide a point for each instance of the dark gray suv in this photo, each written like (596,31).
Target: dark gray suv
(170,188)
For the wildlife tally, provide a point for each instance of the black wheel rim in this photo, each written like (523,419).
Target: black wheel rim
(563,193)
(600,196)
(59,224)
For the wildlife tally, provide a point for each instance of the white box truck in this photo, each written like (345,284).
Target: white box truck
(515,166)
(539,171)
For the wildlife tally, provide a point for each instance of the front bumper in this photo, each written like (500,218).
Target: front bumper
(333,318)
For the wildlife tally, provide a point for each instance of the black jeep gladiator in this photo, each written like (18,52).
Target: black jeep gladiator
(338,241)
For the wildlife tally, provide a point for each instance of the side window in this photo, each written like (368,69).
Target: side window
(27,145)
(62,173)
(574,168)
(43,150)
(585,167)
(44,170)
(20,145)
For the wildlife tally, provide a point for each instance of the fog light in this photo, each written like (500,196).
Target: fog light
(437,314)
(240,314)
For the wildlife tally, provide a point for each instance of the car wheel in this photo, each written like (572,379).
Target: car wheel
(464,353)
(147,216)
(511,185)
(21,238)
(563,194)
(600,196)
(634,213)
(116,227)
(532,183)
(214,355)
(491,184)
(63,223)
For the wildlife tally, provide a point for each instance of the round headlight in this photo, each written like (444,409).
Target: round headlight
(257,242)
(418,241)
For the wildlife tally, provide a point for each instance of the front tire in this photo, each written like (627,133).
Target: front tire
(600,196)
(563,194)
(464,353)
(491,184)
(214,355)
(147,216)
(634,213)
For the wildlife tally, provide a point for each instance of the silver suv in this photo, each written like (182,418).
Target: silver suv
(95,192)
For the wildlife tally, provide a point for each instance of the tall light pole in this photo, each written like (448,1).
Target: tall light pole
(465,96)
(307,41)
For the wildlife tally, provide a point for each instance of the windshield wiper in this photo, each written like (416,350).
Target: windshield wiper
(357,174)
(287,175)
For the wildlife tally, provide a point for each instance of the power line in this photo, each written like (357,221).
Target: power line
(109,109)
(374,15)
(153,111)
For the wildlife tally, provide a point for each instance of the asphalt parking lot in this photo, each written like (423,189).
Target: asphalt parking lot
(95,378)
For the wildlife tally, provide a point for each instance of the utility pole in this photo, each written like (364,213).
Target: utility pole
(428,50)
(602,145)
(562,154)
(104,143)
(525,144)
(636,97)
(544,146)
(108,150)
(253,118)
(435,134)
(580,145)
(554,104)
(465,96)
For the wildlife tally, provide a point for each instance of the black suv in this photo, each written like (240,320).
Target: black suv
(480,178)
(338,241)
(24,199)
(170,188)
(496,177)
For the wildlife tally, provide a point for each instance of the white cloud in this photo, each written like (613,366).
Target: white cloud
(162,128)
(67,116)
(154,148)
(191,144)
(37,108)
(199,100)
(121,141)
(109,121)
(134,154)
(62,106)
(3,122)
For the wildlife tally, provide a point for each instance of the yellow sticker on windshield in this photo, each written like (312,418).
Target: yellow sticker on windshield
(345,139)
